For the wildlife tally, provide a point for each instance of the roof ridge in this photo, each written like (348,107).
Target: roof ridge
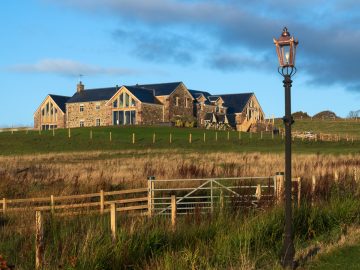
(58,95)
(236,94)
(178,82)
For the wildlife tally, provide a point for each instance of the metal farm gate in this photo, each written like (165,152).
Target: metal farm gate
(208,195)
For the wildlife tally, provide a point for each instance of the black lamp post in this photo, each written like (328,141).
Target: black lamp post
(286,50)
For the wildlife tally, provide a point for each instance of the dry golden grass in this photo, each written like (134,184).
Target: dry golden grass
(73,173)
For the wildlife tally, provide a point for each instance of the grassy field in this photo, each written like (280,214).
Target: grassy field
(23,142)
(231,240)
(348,127)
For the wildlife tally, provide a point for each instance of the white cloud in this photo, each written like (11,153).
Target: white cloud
(67,67)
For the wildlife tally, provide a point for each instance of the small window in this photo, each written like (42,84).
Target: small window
(81,108)
(97,122)
(82,123)
(186,102)
(121,98)
(97,106)
(177,101)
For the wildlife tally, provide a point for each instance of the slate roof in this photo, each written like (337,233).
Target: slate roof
(93,95)
(231,119)
(197,93)
(221,118)
(60,101)
(209,117)
(235,102)
(144,95)
(160,89)
(213,98)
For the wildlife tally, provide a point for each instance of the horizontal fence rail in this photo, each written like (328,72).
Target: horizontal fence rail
(126,200)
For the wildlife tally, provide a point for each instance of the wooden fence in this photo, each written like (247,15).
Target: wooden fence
(126,200)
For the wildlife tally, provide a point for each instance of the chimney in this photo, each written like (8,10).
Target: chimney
(80,87)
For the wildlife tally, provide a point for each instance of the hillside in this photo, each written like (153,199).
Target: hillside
(300,115)
(326,115)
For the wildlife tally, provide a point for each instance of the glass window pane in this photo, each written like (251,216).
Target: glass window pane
(133,102)
(127,100)
(121,117)
(132,117)
(127,117)
(121,100)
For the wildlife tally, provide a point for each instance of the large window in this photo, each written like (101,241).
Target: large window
(124,117)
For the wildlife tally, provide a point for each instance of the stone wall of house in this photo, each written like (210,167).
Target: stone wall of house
(89,115)
(39,120)
(181,110)
(150,114)
(165,101)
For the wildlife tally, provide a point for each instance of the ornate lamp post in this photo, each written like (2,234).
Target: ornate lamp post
(286,50)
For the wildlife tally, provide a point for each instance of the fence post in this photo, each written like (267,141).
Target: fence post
(4,206)
(204,137)
(336,176)
(239,135)
(150,195)
(216,137)
(170,138)
(279,186)
(299,191)
(173,212)
(355,175)
(52,202)
(102,201)
(39,241)
(221,200)
(261,135)
(211,196)
(69,133)
(258,192)
(133,138)
(110,137)
(228,136)
(313,188)
(91,134)
(53,131)
(190,138)
(113,225)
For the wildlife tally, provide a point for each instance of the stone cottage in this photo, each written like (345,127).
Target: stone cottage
(147,104)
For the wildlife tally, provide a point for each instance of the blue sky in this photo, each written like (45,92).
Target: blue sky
(222,46)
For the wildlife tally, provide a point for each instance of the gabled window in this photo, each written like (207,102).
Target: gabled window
(81,107)
(133,102)
(121,98)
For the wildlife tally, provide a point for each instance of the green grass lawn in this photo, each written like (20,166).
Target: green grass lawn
(339,127)
(342,258)
(23,142)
